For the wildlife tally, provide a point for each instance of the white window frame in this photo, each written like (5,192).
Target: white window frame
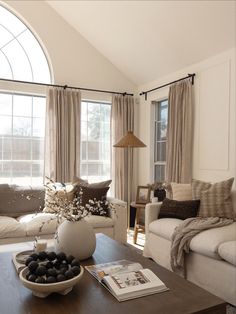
(99,161)
(15,88)
(155,140)
(12,179)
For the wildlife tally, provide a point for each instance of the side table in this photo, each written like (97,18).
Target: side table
(137,226)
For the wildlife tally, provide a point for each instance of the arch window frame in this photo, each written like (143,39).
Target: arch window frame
(26,90)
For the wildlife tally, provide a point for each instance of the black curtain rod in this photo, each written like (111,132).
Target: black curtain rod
(65,86)
(181,79)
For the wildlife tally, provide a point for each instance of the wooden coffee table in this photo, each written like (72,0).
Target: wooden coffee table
(89,297)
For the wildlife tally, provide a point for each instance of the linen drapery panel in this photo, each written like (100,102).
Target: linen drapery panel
(62,134)
(122,120)
(180,132)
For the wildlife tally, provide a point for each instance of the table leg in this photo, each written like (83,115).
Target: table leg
(136,224)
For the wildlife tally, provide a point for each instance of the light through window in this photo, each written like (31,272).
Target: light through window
(21,139)
(22,116)
(160,122)
(21,56)
(95,141)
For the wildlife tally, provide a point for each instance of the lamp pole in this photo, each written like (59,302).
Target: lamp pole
(129,141)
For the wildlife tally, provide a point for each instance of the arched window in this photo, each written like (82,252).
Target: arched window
(22,115)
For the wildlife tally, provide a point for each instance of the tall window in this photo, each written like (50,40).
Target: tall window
(22,116)
(161,112)
(95,141)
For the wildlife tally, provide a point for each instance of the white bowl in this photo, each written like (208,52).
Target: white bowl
(42,290)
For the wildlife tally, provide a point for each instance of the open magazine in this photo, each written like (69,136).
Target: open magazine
(126,280)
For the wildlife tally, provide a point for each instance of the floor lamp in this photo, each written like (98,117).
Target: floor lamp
(129,141)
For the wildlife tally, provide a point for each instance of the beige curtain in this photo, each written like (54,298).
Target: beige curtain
(180,132)
(62,134)
(122,114)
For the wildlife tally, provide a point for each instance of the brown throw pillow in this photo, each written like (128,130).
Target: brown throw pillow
(179,209)
(98,194)
(216,199)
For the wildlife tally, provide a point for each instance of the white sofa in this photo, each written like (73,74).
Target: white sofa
(19,221)
(211,263)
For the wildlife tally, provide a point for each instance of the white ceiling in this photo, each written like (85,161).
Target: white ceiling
(149,39)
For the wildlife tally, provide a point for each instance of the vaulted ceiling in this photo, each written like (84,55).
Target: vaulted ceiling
(149,39)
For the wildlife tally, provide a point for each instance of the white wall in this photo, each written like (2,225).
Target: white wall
(74,61)
(214,123)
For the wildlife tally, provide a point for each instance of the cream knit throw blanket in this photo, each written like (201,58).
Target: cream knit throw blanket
(183,235)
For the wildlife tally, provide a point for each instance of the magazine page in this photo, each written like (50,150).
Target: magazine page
(134,284)
(106,269)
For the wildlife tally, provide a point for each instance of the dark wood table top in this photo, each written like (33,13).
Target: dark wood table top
(90,297)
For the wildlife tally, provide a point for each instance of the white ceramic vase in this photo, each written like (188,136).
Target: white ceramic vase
(75,238)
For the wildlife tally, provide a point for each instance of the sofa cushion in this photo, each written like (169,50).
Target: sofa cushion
(179,209)
(164,227)
(181,191)
(208,241)
(11,228)
(216,199)
(39,224)
(98,194)
(198,187)
(227,251)
(99,221)
(17,200)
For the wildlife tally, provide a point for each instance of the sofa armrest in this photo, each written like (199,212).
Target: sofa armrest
(118,212)
(151,213)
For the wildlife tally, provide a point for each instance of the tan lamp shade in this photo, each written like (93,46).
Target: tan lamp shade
(129,140)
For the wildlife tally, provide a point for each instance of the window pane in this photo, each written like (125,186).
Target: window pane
(160,136)
(22,49)
(5,104)
(18,60)
(21,149)
(5,36)
(84,170)
(36,56)
(21,169)
(39,107)
(6,170)
(21,126)
(161,131)
(93,150)
(6,148)
(22,106)
(84,112)
(95,130)
(93,169)
(37,170)
(38,127)
(11,22)
(84,131)
(84,150)
(5,125)
(5,69)
(161,151)
(37,149)
(159,173)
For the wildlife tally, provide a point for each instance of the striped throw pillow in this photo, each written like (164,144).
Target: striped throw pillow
(198,187)
(215,199)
